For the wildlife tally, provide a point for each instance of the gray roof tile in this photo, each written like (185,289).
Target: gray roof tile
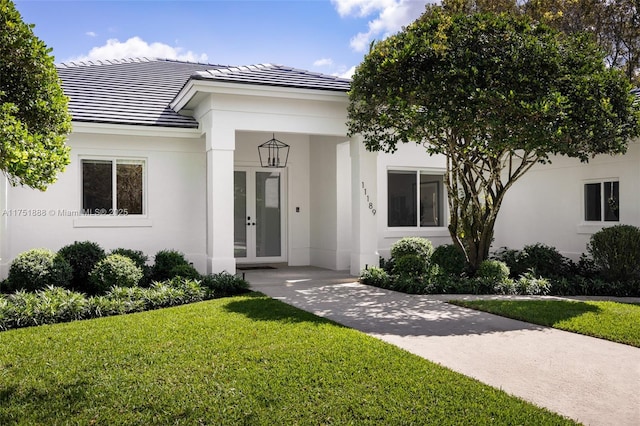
(275,75)
(139,91)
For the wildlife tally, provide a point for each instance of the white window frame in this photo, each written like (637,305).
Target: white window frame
(602,183)
(113,219)
(440,230)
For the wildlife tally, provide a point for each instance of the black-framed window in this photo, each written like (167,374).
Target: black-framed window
(414,199)
(602,201)
(113,187)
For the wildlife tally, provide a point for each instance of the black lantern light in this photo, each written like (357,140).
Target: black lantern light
(273,153)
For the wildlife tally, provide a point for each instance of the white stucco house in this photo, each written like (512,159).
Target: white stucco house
(164,155)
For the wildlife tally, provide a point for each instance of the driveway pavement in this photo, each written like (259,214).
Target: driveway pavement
(593,381)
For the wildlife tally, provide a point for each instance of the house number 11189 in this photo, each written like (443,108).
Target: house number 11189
(371,206)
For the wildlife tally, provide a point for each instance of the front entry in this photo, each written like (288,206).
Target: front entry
(259,215)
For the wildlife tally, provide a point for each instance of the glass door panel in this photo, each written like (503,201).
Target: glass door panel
(268,215)
(240,214)
(258,215)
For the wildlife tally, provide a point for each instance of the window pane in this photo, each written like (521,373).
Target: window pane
(240,214)
(402,199)
(430,200)
(611,202)
(268,234)
(592,202)
(97,186)
(129,189)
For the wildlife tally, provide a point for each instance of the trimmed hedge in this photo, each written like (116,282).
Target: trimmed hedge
(36,269)
(55,304)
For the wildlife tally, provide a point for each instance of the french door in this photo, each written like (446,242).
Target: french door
(259,215)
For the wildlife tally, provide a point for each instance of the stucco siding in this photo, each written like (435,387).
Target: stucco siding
(174,197)
(547,204)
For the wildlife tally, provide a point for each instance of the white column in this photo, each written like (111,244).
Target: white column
(220,143)
(364,207)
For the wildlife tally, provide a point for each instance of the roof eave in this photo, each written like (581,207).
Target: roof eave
(194,86)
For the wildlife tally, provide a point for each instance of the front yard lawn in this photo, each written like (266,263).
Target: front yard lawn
(242,360)
(618,322)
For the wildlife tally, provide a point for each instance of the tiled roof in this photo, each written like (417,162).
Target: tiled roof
(139,91)
(131,91)
(275,75)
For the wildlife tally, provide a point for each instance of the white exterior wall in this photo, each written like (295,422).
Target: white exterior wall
(174,194)
(408,157)
(547,204)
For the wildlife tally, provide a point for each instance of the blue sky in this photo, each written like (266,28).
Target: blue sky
(329,36)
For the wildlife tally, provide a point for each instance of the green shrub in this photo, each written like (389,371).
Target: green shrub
(36,269)
(417,246)
(114,270)
(165,262)
(543,260)
(376,277)
(511,258)
(616,251)
(450,259)
(83,257)
(410,265)
(140,259)
(185,271)
(224,284)
(49,306)
(493,270)
(410,284)
(529,284)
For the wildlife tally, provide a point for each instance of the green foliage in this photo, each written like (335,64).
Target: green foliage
(114,270)
(224,284)
(376,277)
(616,250)
(140,259)
(185,271)
(34,120)
(421,247)
(449,258)
(83,257)
(493,270)
(36,269)
(165,262)
(528,283)
(489,91)
(49,306)
(540,259)
(410,265)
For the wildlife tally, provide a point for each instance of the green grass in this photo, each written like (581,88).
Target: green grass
(244,360)
(618,322)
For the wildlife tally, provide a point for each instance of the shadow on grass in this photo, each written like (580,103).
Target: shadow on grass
(257,306)
(543,312)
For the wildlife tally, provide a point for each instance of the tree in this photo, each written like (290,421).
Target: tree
(614,23)
(495,94)
(34,120)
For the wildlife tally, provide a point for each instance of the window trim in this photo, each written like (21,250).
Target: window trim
(602,222)
(417,230)
(105,218)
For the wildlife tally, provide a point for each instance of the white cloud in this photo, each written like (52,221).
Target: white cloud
(135,47)
(392,15)
(323,62)
(90,34)
(346,74)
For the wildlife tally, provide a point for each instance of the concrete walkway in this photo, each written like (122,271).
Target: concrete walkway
(593,381)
